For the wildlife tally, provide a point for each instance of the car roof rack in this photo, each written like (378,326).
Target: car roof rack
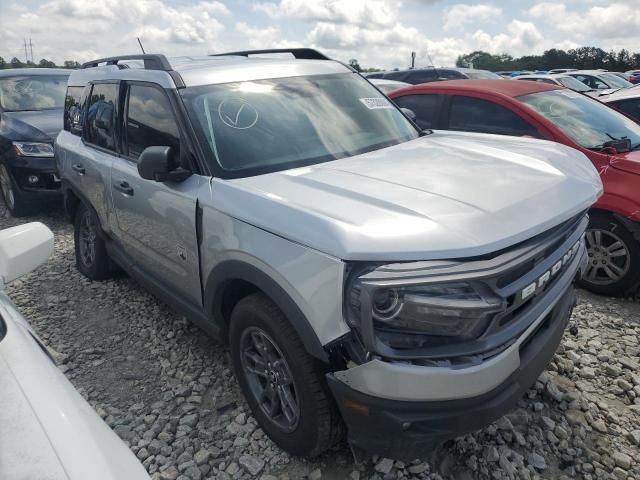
(298,53)
(154,61)
(151,61)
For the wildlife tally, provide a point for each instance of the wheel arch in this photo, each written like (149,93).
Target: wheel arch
(232,280)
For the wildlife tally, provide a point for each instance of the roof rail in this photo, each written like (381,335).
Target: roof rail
(154,61)
(298,53)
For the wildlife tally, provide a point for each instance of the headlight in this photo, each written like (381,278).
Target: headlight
(33,149)
(411,316)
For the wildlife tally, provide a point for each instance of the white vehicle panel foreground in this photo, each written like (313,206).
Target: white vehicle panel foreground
(48,431)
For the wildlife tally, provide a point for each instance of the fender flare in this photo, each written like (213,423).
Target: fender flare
(238,270)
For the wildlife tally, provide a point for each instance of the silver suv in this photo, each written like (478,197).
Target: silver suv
(406,286)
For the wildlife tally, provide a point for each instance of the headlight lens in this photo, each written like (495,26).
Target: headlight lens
(422,315)
(33,149)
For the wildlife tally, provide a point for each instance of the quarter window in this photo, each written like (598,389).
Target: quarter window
(150,121)
(101,115)
(476,115)
(73,110)
(426,108)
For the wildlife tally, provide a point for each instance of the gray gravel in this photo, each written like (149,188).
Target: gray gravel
(168,391)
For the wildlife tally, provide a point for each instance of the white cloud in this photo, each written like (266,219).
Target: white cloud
(81,30)
(458,16)
(356,12)
(260,38)
(615,21)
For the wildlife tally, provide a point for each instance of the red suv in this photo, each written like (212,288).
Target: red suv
(608,138)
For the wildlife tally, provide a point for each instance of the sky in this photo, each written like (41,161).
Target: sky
(378,33)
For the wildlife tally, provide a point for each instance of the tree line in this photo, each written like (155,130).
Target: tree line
(44,63)
(583,58)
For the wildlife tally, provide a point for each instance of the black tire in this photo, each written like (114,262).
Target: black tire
(92,259)
(11,194)
(607,274)
(319,425)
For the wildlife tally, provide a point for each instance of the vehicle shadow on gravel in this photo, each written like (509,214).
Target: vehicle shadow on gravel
(168,391)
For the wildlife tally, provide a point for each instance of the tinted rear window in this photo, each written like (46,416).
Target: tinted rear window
(73,110)
(101,115)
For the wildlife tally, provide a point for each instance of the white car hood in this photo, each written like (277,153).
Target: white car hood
(446,195)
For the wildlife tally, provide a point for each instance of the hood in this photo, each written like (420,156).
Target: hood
(628,162)
(42,125)
(446,195)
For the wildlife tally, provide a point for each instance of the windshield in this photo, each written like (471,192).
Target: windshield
(587,121)
(573,84)
(32,92)
(615,81)
(258,126)
(482,75)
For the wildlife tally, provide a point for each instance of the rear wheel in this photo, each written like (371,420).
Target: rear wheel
(11,194)
(614,257)
(92,259)
(284,386)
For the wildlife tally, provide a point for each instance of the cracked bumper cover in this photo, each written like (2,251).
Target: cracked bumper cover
(400,410)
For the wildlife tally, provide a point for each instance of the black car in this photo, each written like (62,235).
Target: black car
(415,76)
(31,115)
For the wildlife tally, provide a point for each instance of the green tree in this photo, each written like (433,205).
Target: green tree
(15,63)
(44,63)
(71,64)
(353,63)
(3,63)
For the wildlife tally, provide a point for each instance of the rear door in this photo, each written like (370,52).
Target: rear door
(155,221)
(91,167)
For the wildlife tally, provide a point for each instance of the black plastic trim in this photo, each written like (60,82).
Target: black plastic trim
(237,270)
(298,53)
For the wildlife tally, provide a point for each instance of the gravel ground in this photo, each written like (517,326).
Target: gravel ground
(168,391)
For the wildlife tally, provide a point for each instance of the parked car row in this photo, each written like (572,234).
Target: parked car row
(399,281)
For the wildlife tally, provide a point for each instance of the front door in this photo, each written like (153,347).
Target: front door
(156,221)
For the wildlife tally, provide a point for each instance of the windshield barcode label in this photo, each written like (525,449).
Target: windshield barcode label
(378,102)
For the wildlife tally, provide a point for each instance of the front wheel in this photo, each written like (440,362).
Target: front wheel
(284,386)
(614,257)
(11,194)
(92,259)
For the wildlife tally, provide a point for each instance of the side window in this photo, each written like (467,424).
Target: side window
(73,110)
(150,121)
(426,108)
(476,115)
(101,115)
(630,107)
(592,82)
(421,76)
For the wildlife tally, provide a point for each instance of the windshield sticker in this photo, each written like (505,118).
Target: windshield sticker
(237,113)
(375,103)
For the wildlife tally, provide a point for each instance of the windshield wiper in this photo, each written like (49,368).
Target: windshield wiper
(424,133)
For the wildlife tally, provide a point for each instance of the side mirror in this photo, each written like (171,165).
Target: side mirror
(409,113)
(23,249)
(157,164)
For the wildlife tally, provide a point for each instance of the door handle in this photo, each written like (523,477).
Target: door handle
(123,187)
(78,168)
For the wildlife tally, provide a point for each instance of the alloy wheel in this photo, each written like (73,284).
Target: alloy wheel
(87,239)
(270,379)
(7,187)
(609,258)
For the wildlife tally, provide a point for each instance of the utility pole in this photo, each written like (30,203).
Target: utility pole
(413,59)
(26,56)
(31,48)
